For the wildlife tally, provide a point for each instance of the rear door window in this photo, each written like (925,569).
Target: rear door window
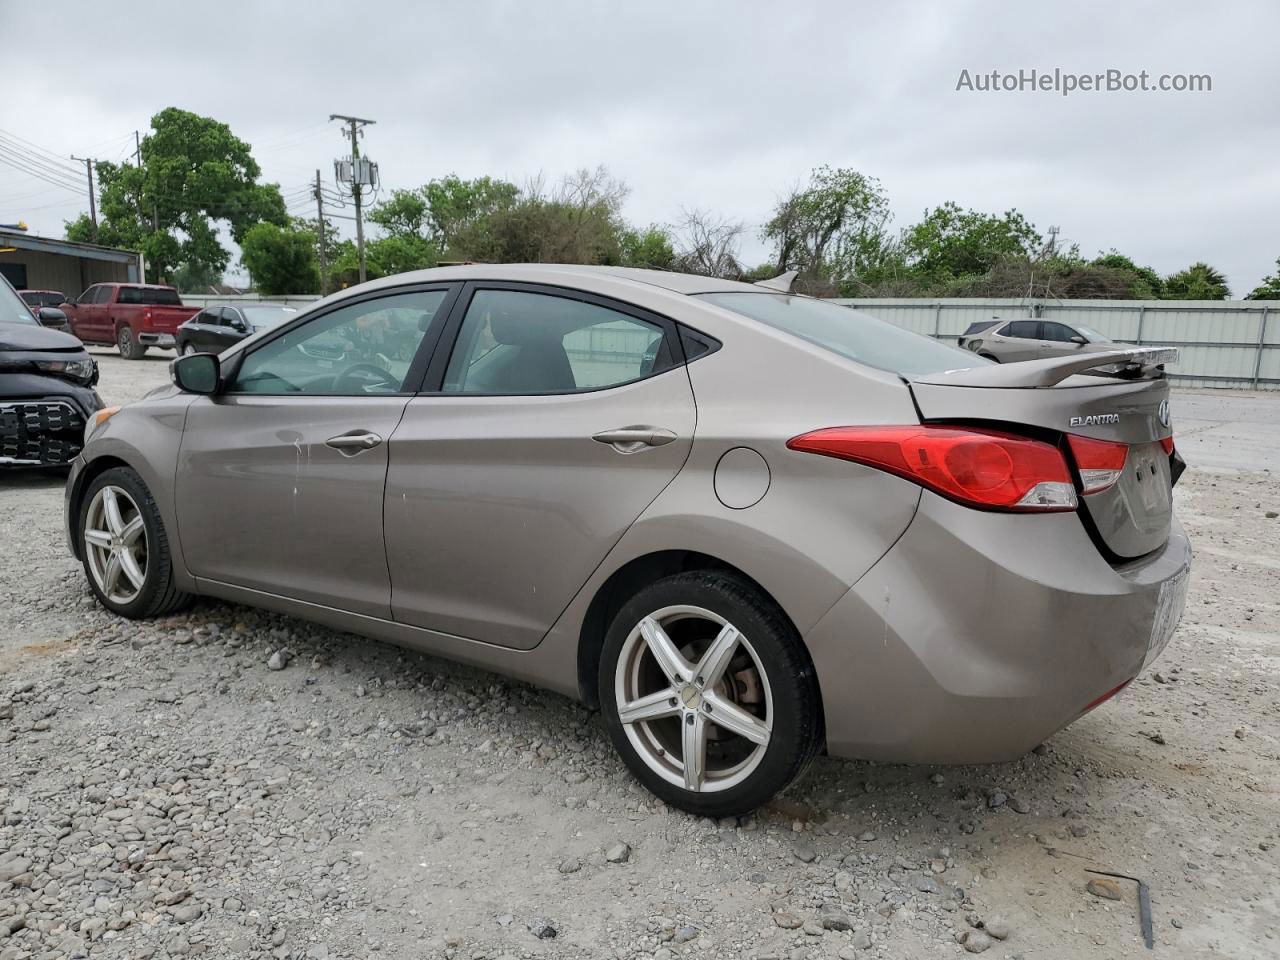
(1022,330)
(849,333)
(514,342)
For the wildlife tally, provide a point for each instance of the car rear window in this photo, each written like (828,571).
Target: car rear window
(849,333)
(979,327)
(151,296)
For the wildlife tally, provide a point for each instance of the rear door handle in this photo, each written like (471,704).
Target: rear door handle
(349,444)
(634,438)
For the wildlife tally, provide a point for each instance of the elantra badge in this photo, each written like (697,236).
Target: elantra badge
(1095,420)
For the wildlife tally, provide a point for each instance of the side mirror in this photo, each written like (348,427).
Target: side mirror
(196,373)
(1077,339)
(51,317)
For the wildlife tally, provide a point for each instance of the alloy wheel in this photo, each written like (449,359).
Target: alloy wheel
(115,540)
(694,698)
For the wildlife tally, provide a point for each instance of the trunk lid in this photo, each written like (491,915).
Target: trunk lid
(1132,516)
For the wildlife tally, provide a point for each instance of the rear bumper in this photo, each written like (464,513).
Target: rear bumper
(979,635)
(156,339)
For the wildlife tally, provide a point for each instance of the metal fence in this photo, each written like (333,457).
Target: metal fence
(1224,343)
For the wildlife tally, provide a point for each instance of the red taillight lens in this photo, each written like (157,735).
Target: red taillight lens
(979,468)
(1167,444)
(1100,462)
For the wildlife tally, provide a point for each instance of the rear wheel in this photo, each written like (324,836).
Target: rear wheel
(128,344)
(708,694)
(126,550)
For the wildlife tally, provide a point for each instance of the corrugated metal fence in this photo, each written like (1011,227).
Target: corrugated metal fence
(1231,343)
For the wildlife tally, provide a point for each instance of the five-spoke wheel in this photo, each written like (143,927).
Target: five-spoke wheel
(694,698)
(708,693)
(115,541)
(125,548)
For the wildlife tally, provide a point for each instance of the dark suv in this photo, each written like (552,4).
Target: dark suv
(46,389)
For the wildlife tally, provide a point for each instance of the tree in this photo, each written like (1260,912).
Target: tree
(577,222)
(1269,289)
(708,245)
(650,248)
(1197,282)
(194,278)
(950,243)
(194,173)
(280,260)
(833,228)
(1146,283)
(434,214)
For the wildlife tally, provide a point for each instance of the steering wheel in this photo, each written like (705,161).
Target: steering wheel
(359,374)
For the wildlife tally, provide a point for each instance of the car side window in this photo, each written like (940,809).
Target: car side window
(362,349)
(90,295)
(1023,329)
(515,342)
(1057,331)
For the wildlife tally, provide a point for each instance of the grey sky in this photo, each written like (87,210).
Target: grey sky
(716,106)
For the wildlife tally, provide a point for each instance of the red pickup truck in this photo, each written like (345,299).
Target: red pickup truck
(132,316)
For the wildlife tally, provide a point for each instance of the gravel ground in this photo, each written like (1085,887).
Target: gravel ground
(166,791)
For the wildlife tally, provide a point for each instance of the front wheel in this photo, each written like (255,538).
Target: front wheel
(128,344)
(125,548)
(709,694)
(185,349)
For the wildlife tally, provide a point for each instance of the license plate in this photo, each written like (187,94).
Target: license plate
(1169,604)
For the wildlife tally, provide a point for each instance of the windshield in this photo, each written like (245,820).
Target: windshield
(261,316)
(12,309)
(151,296)
(850,333)
(1091,334)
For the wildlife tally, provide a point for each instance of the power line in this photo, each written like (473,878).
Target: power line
(18,165)
(29,162)
(50,157)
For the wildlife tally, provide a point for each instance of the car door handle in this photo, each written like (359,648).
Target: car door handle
(635,438)
(349,444)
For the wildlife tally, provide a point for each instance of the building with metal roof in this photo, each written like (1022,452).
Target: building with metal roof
(42,263)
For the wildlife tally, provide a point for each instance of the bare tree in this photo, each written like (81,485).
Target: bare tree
(708,244)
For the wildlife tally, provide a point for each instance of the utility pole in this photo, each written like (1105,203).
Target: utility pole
(353,128)
(93,206)
(324,258)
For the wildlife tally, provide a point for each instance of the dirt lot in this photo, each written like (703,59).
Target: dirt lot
(164,793)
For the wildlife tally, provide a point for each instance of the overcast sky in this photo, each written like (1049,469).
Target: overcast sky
(698,105)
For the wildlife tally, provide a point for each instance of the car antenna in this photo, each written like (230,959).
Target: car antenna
(782,282)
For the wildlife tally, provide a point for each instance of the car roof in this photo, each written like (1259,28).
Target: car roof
(686,283)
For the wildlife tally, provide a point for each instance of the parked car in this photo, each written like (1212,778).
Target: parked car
(46,389)
(747,525)
(42,298)
(132,316)
(217,327)
(1006,340)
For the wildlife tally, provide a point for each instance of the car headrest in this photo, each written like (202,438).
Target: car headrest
(519,332)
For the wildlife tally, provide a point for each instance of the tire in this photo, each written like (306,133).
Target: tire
(185,349)
(128,345)
(768,679)
(155,595)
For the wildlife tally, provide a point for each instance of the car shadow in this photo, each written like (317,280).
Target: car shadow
(34,478)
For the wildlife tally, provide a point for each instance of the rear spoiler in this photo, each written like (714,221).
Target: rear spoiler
(1140,361)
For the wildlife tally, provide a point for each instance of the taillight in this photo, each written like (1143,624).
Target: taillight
(1167,444)
(146,316)
(1100,462)
(979,468)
